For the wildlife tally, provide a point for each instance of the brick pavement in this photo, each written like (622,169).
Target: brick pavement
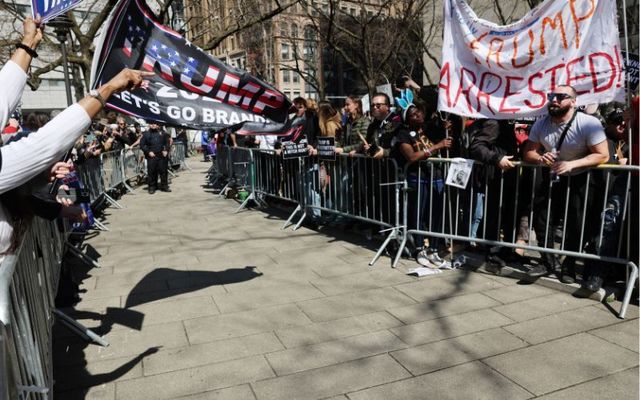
(201,303)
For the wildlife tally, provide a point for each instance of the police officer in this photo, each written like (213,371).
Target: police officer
(155,144)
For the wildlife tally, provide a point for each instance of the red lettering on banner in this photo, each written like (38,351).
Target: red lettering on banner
(445,72)
(461,88)
(507,93)
(619,70)
(484,95)
(553,84)
(571,79)
(533,90)
(552,23)
(495,53)
(576,19)
(594,73)
(474,42)
(515,51)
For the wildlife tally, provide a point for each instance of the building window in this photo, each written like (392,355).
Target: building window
(294,30)
(309,33)
(286,76)
(284,51)
(295,77)
(296,94)
(284,29)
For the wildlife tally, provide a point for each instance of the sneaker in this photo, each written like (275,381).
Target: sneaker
(432,260)
(538,271)
(422,258)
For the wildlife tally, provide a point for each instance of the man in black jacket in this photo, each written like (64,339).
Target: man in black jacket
(494,144)
(156,145)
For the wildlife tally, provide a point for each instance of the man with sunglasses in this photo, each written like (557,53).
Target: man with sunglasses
(567,142)
(383,128)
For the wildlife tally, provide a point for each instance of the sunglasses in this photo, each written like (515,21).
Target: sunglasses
(558,96)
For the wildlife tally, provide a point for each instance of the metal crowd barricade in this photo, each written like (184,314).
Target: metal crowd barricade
(243,174)
(498,204)
(133,163)
(28,284)
(112,176)
(278,178)
(178,155)
(349,187)
(223,167)
(275,176)
(29,281)
(90,173)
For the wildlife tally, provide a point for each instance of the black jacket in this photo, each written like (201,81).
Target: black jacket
(490,141)
(154,141)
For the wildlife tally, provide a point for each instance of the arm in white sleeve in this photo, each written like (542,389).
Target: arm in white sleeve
(27,157)
(13,79)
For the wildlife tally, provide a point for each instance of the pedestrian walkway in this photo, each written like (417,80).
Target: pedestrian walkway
(200,303)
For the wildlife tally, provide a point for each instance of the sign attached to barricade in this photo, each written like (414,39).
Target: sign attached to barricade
(459,173)
(327,148)
(294,150)
(631,66)
(49,9)
(502,72)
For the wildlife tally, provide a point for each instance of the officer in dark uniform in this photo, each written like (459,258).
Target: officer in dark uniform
(155,144)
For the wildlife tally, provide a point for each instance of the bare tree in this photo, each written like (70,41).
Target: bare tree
(377,40)
(85,25)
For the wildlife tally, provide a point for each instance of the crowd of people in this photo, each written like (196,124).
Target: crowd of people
(564,200)
(566,143)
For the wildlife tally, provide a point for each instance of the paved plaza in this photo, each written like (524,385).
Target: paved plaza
(200,303)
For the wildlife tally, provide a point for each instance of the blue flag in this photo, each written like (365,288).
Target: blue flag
(49,9)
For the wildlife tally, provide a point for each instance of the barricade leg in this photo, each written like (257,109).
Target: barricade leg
(186,166)
(633,277)
(223,191)
(80,329)
(78,253)
(100,225)
(128,188)
(304,215)
(392,235)
(288,221)
(112,201)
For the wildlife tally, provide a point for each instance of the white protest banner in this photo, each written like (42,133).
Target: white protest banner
(493,71)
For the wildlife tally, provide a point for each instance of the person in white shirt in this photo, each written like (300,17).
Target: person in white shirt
(22,160)
(568,142)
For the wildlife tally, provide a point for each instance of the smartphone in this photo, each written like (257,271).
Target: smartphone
(76,195)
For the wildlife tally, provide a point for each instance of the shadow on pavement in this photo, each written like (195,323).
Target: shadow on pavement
(186,281)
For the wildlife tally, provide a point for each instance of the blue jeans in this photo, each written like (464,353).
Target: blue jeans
(478,214)
(428,214)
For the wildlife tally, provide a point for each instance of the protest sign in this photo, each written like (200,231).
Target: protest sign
(294,150)
(493,71)
(631,68)
(327,148)
(49,9)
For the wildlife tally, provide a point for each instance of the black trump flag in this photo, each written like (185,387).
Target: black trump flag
(190,88)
